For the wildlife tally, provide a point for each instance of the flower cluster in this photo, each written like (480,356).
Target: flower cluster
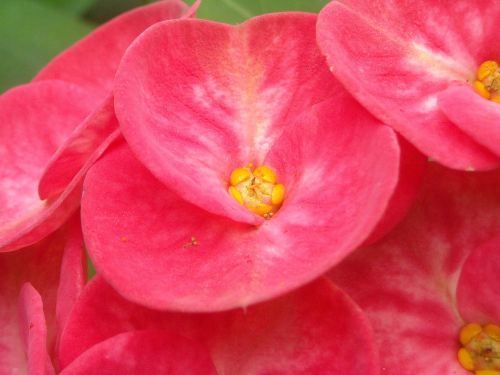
(258,199)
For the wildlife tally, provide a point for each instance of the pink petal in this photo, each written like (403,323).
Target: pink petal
(196,99)
(314,330)
(477,291)
(395,57)
(101,51)
(144,352)
(412,167)
(35,331)
(476,116)
(38,269)
(142,239)
(73,274)
(80,150)
(35,119)
(406,283)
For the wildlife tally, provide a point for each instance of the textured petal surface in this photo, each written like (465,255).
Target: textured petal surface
(159,250)
(196,99)
(396,56)
(80,150)
(100,52)
(314,330)
(39,266)
(412,167)
(477,117)
(144,352)
(407,283)
(478,296)
(35,119)
(35,331)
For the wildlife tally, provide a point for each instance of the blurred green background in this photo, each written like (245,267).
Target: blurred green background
(33,31)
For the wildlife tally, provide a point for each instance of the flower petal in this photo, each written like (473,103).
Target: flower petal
(196,99)
(101,51)
(406,283)
(313,330)
(159,250)
(35,331)
(395,57)
(144,352)
(38,269)
(477,291)
(80,150)
(477,117)
(412,168)
(35,119)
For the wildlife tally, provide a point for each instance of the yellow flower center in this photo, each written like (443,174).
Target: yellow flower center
(487,83)
(257,190)
(480,351)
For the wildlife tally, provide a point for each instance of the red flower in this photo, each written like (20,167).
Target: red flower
(52,131)
(38,287)
(314,330)
(415,66)
(438,271)
(238,124)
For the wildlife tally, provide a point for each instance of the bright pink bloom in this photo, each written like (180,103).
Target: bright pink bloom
(314,330)
(196,100)
(38,287)
(413,64)
(44,151)
(438,270)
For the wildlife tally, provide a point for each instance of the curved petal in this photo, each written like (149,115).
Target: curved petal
(35,119)
(73,274)
(80,150)
(196,99)
(477,291)
(406,283)
(412,168)
(38,265)
(144,352)
(396,56)
(35,331)
(311,331)
(100,52)
(161,251)
(477,117)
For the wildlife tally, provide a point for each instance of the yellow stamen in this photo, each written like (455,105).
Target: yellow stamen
(480,350)
(262,209)
(257,190)
(278,194)
(493,331)
(481,89)
(468,332)
(487,68)
(240,175)
(465,359)
(236,194)
(487,83)
(266,173)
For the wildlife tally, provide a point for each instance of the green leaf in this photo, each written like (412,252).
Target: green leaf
(236,11)
(77,7)
(32,34)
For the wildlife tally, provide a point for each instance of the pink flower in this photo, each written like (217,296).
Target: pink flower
(314,330)
(38,287)
(52,131)
(417,67)
(438,271)
(228,126)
